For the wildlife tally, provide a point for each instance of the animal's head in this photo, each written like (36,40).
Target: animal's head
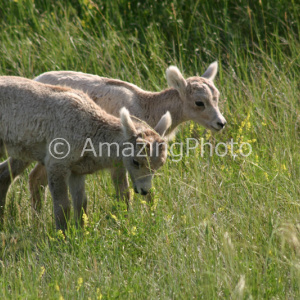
(200,97)
(145,149)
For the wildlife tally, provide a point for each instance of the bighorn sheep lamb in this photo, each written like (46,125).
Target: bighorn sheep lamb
(33,115)
(195,98)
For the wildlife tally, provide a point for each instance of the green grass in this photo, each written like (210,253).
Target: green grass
(220,228)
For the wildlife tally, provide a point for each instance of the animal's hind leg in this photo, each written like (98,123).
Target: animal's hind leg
(9,170)
(77,190)
(37,181)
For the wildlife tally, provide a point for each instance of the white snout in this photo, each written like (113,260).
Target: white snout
(219,121)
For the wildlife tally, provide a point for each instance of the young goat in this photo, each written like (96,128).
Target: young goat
(33,115)
(195,98)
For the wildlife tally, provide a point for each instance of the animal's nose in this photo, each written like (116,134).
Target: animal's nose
(143,192)
(221,124)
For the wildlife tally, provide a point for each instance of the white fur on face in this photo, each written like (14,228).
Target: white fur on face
(200,96)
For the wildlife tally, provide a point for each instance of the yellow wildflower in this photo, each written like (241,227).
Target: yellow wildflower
(191,127)
(208,135)
(154,204)
(220,209)
(114,217)
(266,176)
(248,126)
(133,230)
(42,271)
(167,217)
(60,234)
(99,295)
(85,219)
(56,287)
(79,283)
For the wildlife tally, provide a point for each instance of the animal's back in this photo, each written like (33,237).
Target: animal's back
(109,94)
(32,113)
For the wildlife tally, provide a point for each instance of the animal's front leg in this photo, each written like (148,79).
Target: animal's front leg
(120,180)
(58,185)
(77,190)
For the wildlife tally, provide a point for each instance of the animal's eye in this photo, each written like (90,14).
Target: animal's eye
(199,103)
(136,163)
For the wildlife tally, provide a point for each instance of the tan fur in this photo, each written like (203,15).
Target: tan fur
(113,94)
(179,100)
(33,114)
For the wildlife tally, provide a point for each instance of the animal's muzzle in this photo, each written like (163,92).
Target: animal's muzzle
(221,125)
(142,191)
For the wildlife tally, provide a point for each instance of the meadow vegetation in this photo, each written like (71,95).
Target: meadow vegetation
(220,227)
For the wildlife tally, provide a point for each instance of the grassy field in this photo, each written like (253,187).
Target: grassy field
(220,227)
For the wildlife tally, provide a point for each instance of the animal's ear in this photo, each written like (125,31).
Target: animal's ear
(211,71)
(176,80)
(164,123)
(127,124)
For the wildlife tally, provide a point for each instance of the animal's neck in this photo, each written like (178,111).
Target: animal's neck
(104,142)
(155,105)
(110,146)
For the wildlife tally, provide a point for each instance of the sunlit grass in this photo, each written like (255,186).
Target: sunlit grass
(221,227)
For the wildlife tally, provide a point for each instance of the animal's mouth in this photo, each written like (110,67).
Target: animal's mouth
(142,191)
(215,129)
(212,128)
